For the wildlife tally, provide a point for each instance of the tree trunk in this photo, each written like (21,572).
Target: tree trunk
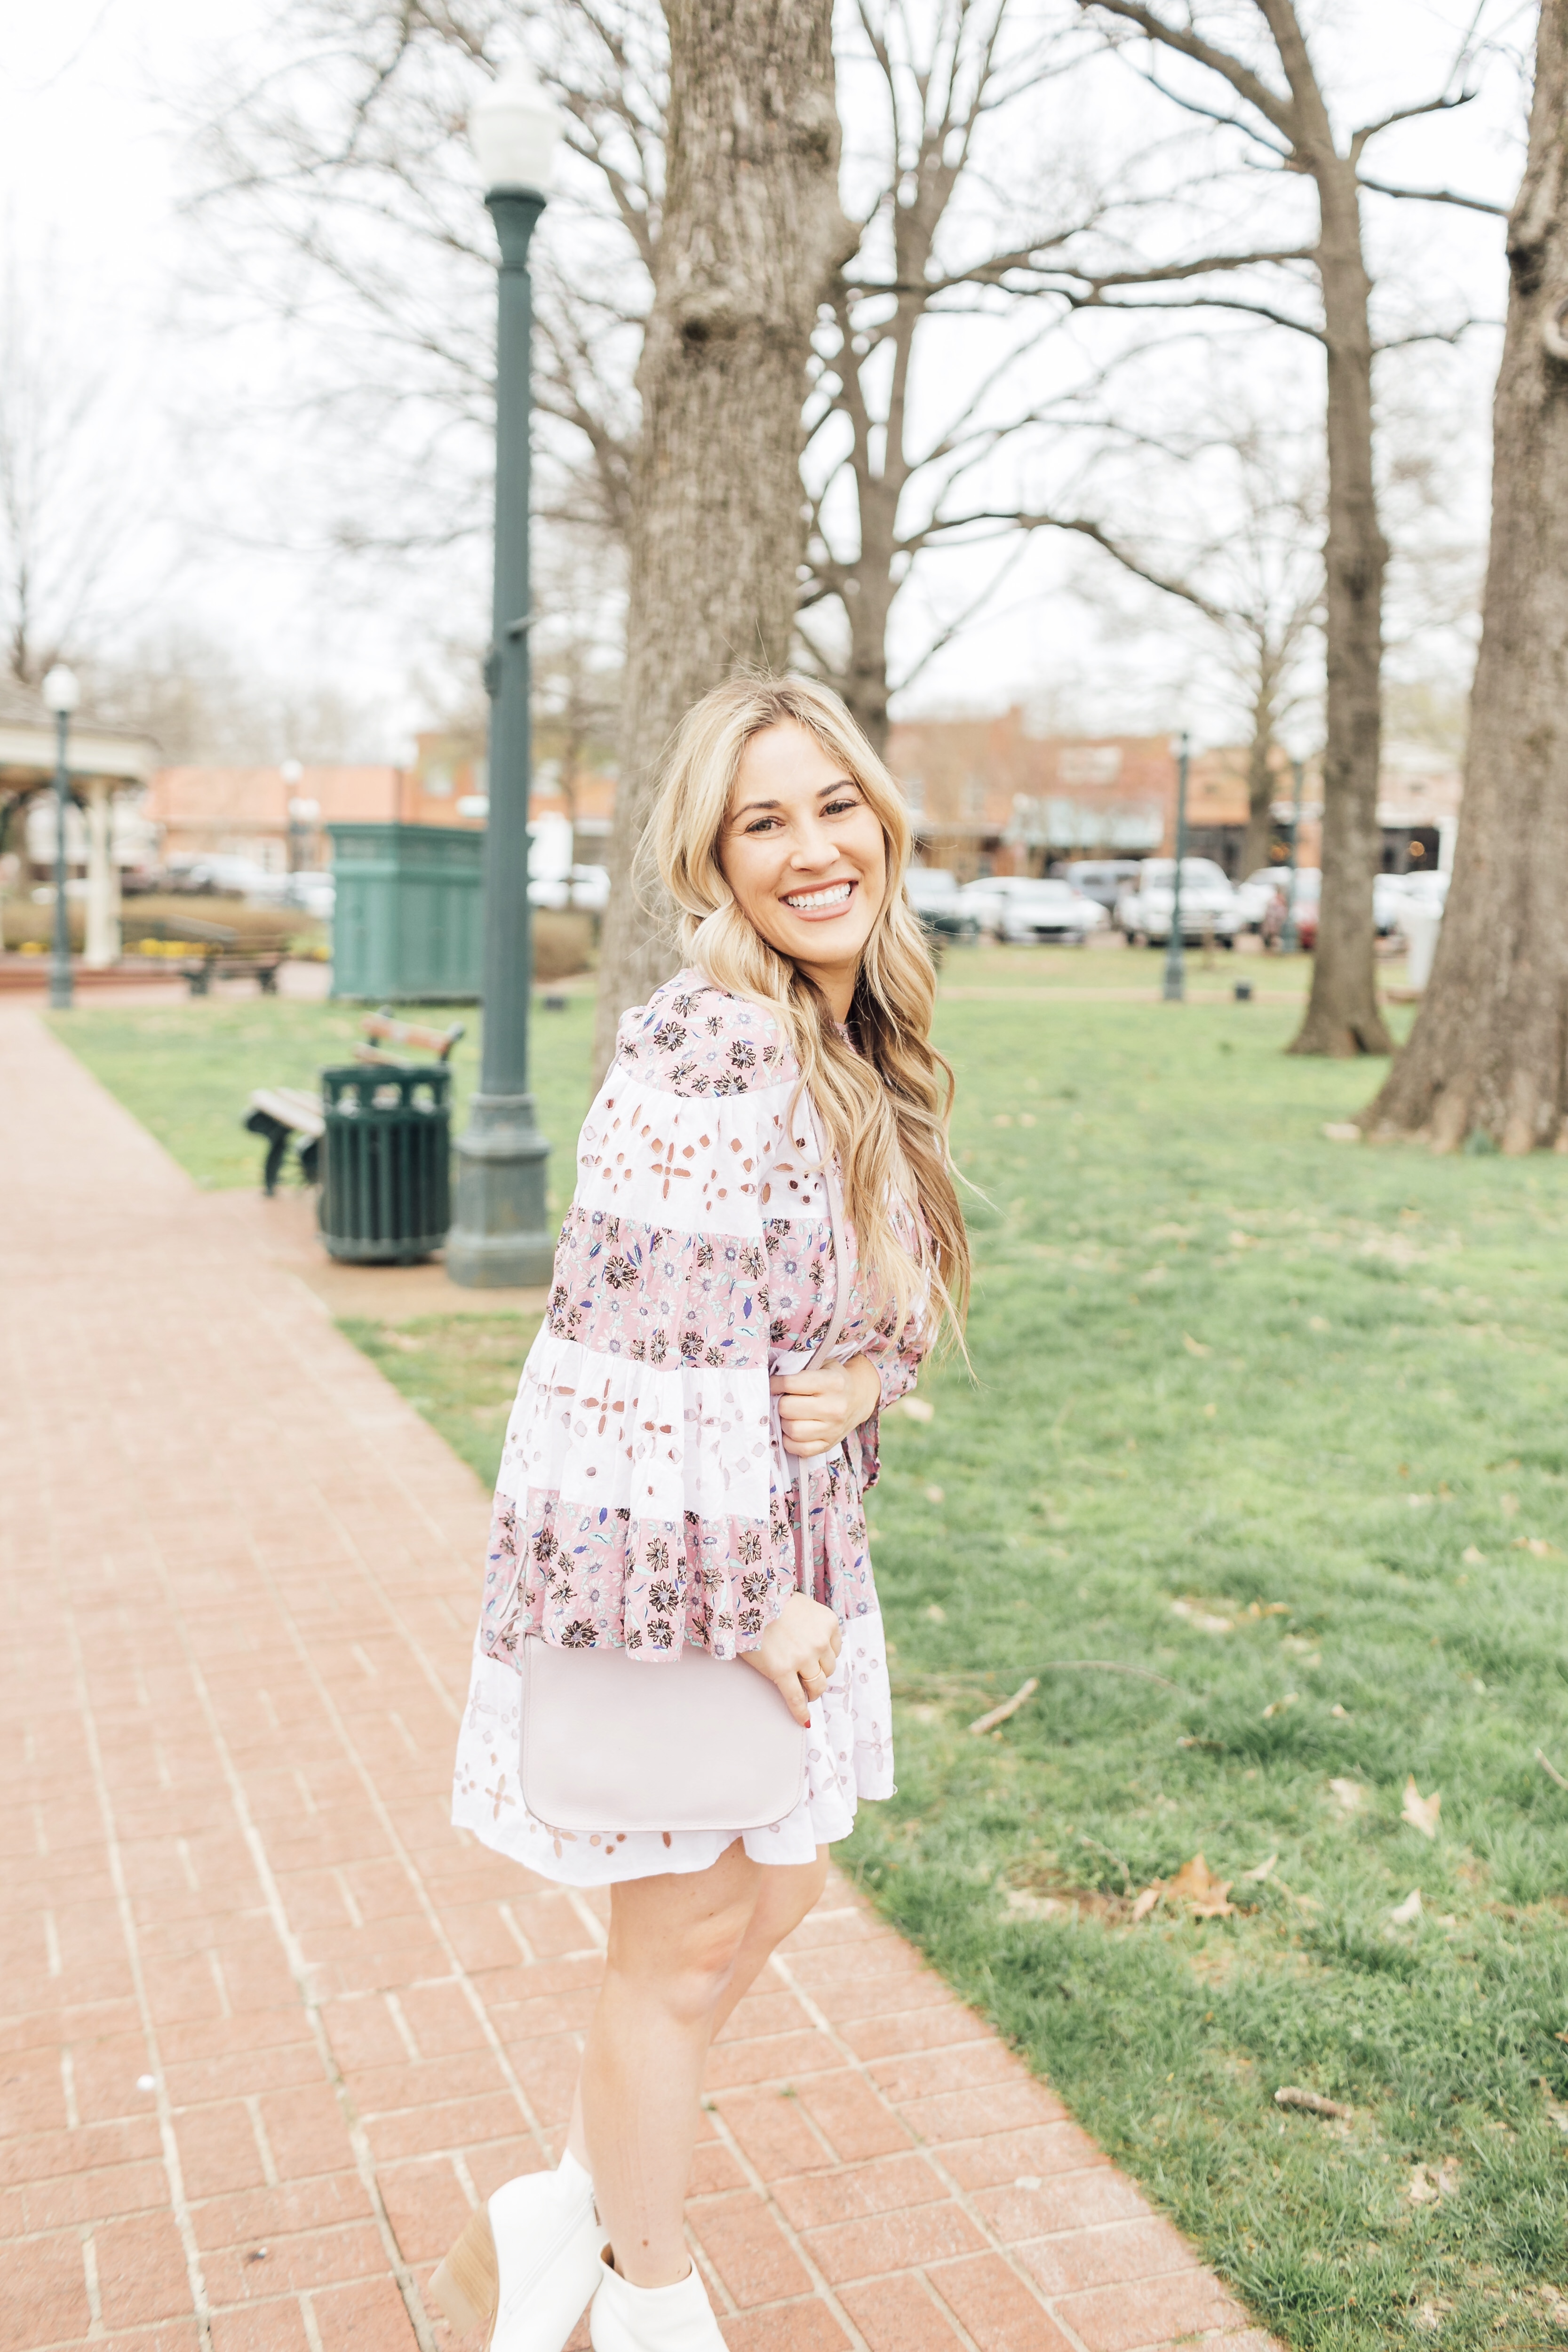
(1342,1016)
(1260,777)
(750,233)
(1489,1049)
(1259,804)
(864,686)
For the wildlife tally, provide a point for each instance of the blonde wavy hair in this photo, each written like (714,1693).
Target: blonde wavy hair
(885,1109)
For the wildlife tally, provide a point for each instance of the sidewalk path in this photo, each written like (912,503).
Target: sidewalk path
(272,2026)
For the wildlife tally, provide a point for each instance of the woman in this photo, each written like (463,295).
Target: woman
(696,1277)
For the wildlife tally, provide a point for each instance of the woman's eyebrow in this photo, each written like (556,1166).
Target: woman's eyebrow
(837,785)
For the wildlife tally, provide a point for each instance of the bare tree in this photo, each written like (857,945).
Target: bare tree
(1489,1053)
(935,91)
(1267,89)
(1236,546)
(69,499)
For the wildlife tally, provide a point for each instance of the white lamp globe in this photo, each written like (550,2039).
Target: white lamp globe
(516,128)
(61,693)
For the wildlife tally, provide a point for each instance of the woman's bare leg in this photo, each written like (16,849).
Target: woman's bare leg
(683,1950)
(787,1892)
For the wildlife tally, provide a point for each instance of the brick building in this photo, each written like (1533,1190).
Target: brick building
(990,796)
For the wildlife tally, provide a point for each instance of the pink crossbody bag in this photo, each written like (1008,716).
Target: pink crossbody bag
(693,1742)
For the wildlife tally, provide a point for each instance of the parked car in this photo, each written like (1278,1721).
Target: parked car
(1105,880)
(1209,906)
(988,899)
(221,874)
(1052,910)
(935,895)
(586,887)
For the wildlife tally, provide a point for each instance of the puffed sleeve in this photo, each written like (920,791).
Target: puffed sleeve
(635,1501)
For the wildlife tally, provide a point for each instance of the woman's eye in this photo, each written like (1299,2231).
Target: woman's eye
(841,808)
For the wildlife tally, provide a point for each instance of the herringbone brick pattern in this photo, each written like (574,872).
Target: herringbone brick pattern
(270,2025)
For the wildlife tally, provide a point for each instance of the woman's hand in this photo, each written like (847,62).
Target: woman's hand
(817,1408)
(798,1653)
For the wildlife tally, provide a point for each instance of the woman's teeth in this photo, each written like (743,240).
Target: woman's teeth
(806,900)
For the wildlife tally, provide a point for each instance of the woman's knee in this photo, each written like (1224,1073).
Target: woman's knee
(683,1962)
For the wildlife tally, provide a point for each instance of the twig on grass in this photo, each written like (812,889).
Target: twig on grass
(988,1722)
(996,1715)
(1549,1768)
(1311,2102)
(1084,1839)
(1112,1666)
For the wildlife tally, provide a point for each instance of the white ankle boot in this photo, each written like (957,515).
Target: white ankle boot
(627,2318)
(527,2261)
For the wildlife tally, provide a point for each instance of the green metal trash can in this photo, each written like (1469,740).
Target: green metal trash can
(386,1183)
(408,917)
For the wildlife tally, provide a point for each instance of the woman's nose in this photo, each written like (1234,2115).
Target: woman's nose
(813,846)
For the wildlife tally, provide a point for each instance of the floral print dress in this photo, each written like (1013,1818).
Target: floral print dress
(645,1498)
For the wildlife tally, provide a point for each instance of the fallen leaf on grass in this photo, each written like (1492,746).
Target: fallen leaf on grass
(934,1494)
(1431,2316)
(1405,1914)
(1262,1871)
(1349,1795)
(1195,1885)
(1311,2103)
(914,1408)
(1194,1346)
(1537,1546)
(1420,1811)
(1278,1706)
(1147,1900)
(1473,1557)
(937,1613)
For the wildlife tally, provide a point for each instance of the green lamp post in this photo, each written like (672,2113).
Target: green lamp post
(62,695)
(1175,987)
(501,1233)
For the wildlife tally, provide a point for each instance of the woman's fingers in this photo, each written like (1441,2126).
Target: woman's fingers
(791,1690)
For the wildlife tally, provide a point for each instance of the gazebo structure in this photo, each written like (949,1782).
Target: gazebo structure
(104,761)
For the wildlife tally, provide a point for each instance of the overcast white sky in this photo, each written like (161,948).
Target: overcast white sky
(93,162)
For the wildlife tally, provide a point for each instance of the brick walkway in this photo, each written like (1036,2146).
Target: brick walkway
(272,2026)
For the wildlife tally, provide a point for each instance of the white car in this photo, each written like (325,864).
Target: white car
(586,887)
(1051,911)
(987,901)
(1210,908)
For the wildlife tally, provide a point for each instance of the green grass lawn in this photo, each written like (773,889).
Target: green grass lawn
(1278,1425)
(187,1069)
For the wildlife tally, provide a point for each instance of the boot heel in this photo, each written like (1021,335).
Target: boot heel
(467,2286)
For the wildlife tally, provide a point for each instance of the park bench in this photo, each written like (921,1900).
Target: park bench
(285,1115)
(261,965)
(207,951)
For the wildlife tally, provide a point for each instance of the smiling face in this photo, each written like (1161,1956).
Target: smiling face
(803,851)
